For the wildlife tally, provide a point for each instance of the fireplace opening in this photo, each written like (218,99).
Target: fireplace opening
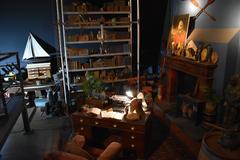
(186,76)
(186,84)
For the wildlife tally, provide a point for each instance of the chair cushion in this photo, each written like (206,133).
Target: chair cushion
(111,151)
(78,140)
(75,145)
(40,102)
(57,155)
(76,150)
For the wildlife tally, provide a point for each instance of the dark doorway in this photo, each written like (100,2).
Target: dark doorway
(152,15)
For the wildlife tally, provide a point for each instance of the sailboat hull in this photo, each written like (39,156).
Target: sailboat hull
(38,60)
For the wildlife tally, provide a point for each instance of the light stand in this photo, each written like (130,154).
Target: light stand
(138,45)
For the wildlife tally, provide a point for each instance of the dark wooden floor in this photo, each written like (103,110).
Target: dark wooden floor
(14,107)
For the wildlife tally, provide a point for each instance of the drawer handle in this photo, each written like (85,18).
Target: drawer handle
(81,120)
(96,123)
(81,128)
(115,126)
(132,137)
(132,128)
(132,145)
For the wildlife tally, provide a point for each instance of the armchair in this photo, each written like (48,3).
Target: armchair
(75,149)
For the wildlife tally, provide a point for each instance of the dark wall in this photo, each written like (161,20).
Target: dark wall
(18,18)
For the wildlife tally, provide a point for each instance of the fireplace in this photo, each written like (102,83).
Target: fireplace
(181,71)
(186,83)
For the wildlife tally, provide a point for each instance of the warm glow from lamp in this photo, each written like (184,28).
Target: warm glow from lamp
(129,94)
(144,104)
(140,95)
(192,9)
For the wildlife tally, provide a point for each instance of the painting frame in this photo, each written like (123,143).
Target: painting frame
(178,34)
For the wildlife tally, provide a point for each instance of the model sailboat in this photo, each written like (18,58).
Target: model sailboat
(34,51)
(38,59)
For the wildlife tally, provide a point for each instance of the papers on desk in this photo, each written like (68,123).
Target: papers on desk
(112,114)
(120,98)
(94,110)
(104,113)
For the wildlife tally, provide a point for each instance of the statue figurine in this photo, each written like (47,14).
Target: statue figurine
(135,110)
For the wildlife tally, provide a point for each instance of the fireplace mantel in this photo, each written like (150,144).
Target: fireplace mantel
(194,68)
(202,71)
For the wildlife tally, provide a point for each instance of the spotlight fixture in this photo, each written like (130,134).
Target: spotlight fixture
(203,9)
(129,94)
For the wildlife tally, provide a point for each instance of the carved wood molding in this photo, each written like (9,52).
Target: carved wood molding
(194,68)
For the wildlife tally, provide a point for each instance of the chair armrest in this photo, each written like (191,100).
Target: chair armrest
(75,146)
(78,140)
(76,150)
(112,150)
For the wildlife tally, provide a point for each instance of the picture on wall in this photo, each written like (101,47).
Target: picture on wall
(178,34)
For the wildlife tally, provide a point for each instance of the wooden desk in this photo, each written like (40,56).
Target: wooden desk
(133,134)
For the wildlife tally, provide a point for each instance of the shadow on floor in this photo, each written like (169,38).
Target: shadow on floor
(156,133)
(45,137)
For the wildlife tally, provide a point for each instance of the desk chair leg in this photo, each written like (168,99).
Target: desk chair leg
(45,109)
(42,112)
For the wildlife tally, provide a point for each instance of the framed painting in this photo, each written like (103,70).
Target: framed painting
(178,34)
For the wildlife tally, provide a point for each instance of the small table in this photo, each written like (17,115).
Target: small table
(31,87)
(34,87)
(133,134)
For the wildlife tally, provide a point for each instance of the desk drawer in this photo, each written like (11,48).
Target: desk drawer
(108,123)
(33,76)
(133,137)
(115,124)
(134,142)
(82,121)
(133,127)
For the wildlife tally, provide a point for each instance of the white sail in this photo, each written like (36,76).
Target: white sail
(33,49)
